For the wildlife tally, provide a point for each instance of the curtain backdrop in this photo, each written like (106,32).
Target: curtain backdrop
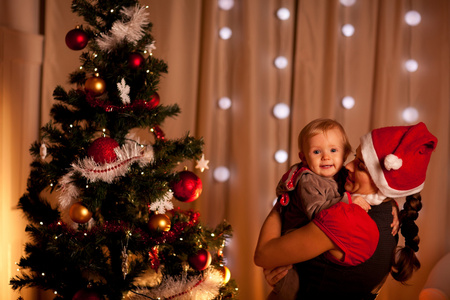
(323,67)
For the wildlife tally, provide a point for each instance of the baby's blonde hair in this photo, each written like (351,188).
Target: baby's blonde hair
(322,126)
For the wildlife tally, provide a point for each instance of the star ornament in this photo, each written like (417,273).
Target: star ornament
(202,164)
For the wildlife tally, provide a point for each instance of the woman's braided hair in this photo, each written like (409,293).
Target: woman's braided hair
(406,261)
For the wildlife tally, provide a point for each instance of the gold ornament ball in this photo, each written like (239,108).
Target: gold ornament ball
(159,222)
(226,274)
(79,213)
(95,85)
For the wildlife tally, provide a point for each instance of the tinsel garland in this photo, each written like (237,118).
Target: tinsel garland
(131,30)
(117,227)
(129,153)
(202,287)
(108,107)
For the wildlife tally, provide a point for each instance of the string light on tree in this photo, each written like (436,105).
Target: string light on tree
(225,33)
(281,62)
(411,65)
(348,30)
(348,102)
(410,114)
(283,13)
(281,156)
(224,103)
(281,111)
(225,4)
(412,18)
(221,174)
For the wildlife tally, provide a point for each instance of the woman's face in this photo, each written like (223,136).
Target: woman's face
(358,179)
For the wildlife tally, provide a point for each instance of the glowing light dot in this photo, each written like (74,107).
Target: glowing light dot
(347,2)
(281,62)
(213,235)
(281,111)
(224,103)
(348,30)
(225,4)
(221,174)
(410,115)
(348,102)
(281,156)
(411,65)
(225,33)
(412,18)
(283,13)
(41,223)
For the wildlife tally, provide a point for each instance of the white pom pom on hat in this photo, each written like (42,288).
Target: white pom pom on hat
(392,162)
(397,158)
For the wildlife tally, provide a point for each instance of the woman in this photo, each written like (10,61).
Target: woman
(391,162)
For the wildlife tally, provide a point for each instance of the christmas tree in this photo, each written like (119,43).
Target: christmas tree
(100,195)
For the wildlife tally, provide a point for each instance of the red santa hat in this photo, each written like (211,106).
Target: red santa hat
(397,158)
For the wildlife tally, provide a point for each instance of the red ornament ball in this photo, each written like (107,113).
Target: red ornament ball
(102,150)
(135,60)
(201,260)
(188,188)
(76,39)
(154,100)
(86,294)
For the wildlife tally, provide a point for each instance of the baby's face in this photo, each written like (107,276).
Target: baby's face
(324,153)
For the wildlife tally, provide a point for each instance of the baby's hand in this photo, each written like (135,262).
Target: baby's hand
(361,202)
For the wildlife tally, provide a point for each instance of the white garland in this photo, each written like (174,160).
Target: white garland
(132,30)
(129,153)
(161,205)
(204,287)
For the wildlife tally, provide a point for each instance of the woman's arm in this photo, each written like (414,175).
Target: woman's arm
(299,245)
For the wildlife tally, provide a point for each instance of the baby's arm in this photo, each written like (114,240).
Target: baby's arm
(316,195)
(358,200)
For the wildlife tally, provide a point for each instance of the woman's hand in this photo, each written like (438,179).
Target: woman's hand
(395,223)
(276,274)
